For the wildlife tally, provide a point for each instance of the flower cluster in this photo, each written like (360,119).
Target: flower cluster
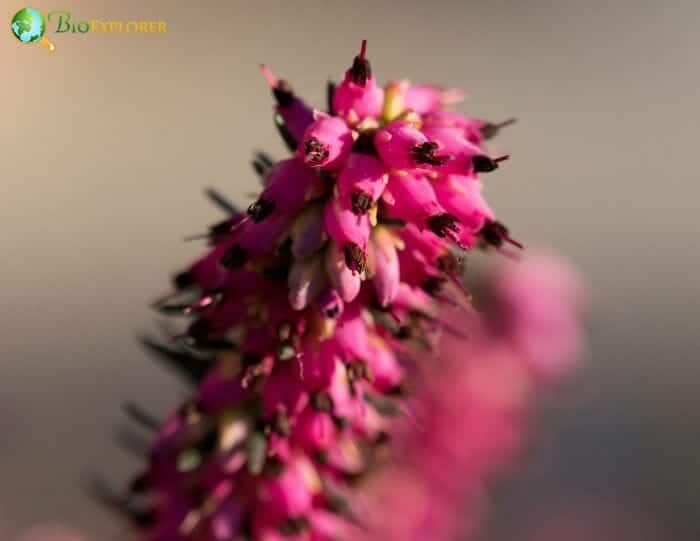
(316,310)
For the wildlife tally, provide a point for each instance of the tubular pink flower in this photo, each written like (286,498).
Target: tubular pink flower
(327,143)
(289,186)
(345,281)
(402,146)
(295,114)
(362,182)
(385,266)
(425,99)
(358,97)
(307,232)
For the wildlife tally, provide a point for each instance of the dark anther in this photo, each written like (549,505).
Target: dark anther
(284,248)
(450,263)
(234,258)
(382,438)
(284,330)
(320,456)
(285,134)
(208,443)
(294,526)
(315,152)
(184,280)
(357,370)
(273,467)
(261,209)
(139,484)
(330,91)
(361,202)
(361,69)
(199,330)
(484,164)
(142,518)
(443,224)
(425,153)
(251,358)
(405,332)
(322,402)
(286,351)
(495,234)
(283,93)
(277,274)
(281,425)
(364,144)
(332,311)
(432,285)
(490,130)
(219,229)
(355,258)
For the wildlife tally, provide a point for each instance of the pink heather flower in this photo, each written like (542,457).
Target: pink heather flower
(293,113)
(327,143)
(425,99)
(312,315)
(358,97)
(535,308)
(361,182)
(386,272)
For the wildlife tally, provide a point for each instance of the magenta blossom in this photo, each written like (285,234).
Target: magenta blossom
(318,334)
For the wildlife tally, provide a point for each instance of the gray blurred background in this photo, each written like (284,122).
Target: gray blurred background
(108,142)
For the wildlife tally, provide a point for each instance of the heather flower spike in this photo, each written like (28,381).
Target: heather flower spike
(313,314)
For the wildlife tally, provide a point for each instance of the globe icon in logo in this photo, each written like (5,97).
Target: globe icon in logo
(28,25)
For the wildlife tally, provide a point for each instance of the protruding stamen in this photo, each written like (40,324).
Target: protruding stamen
(425,153)
(495,234)
(484,164)
(361,70)
(443,225)
(490,130)
(355,257)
